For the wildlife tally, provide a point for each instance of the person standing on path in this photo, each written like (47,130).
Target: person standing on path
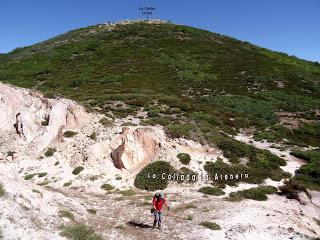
(158,201)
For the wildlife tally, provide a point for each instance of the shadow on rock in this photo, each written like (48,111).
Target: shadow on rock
(139,225)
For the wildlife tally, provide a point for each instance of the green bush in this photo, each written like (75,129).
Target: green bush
(69,134)
(308,175)
(186,171)
(29,176)
(66,214)
(77,170)
(246,105)
(80,232)
(67,184)
(118,178)
(128,193)
(211,191)
(184,158)
(105,122)
(107,187)
(184,207)
(178,131)
(145,180)
(210,225)
(258,193)
(50,152)
(2,191)
(93,136)
(92,211)
(154,112)
(42,174)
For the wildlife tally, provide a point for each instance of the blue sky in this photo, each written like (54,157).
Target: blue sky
(291,26)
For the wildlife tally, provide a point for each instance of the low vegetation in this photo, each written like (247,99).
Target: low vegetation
(258,164)
(50,152)
(291,189)
(92,211)
(93,136)
(107,187)
(210,225)
(36,191)
(257,193)
(105,122)
(80,232)
(29,176)
(42,174)
(66,214)
(67,184)
(128,193)
(184,207)
(184,158)
(69,134)
(77,170)
(212,191)
(308,175)
(2,191)
(150,177)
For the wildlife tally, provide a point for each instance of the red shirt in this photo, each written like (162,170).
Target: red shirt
(158,203)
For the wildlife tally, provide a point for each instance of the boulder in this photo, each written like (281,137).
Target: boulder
(134,148)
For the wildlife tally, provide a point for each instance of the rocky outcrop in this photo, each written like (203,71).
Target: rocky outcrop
(35,119)
(134,148)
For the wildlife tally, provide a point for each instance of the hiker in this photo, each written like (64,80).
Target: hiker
(158,201)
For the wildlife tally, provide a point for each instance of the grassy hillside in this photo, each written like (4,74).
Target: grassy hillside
(199,85)
(208,81)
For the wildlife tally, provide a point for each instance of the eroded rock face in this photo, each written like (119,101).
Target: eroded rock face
(134,148)
(35,119)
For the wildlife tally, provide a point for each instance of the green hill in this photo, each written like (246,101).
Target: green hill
(196,83)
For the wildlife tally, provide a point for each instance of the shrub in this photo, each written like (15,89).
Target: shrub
(185,207)
(308,175)
(67,184)
(92,211)
(45,123)
(107,187)
(93,136)
(210,225)
(10,153)
(69,134)
(29,176)
(211,191)
(36,191)
(184,158)
(118,178)
(189,217)
(105,122)
(50,152)
(77,170)
(153,112)
(291,189)
(149,178)
(80,232)
(42,174)
(66,214)
(258,193)
(2,191)
(178,131)
(128,193)
(245,105)
(189,175)
(56,163)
